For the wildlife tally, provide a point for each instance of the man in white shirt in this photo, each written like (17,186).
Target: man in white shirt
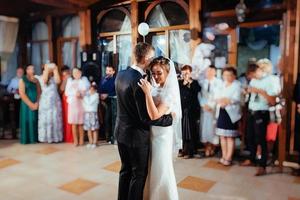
(262,95)
(13,88)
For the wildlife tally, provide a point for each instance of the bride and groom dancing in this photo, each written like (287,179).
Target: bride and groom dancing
(148,127)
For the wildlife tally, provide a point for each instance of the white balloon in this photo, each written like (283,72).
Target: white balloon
(143,29)
(210,36)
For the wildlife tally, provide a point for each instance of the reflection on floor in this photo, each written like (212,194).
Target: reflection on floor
(63,172)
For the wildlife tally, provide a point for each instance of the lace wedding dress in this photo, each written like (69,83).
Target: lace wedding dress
(161,182)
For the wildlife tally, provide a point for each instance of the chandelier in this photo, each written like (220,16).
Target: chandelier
(240,10)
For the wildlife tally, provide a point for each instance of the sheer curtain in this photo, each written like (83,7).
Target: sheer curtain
(8,34)
(123,48)
(158,19)
(124,45)
(39,50)
(179,47)
(71,28)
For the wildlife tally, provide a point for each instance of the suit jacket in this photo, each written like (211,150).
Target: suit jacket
(297,90)
(133,122)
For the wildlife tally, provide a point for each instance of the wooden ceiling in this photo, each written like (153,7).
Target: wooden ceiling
(23,8)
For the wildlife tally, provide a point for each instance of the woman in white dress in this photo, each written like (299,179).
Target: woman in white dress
(208,108)
(160,100)
(50,110)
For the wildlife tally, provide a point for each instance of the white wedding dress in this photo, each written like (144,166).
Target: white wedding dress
(161,182)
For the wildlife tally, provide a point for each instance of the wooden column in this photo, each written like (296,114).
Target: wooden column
(289,71)
(134,26)
(50,36)
(85,39)
(195,23)
(232,48)
(297,37)
(295,23)
(22,39)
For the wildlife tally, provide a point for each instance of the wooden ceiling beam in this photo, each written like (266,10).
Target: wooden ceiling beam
(57,3)
(231,12)
(82,3)
(57,12)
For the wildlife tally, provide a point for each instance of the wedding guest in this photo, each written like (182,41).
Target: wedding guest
(228,114)
(108,96)
(245,103)
(275,117)
(13,85)
(91,121)
(189,89)
(67,128)
(50,128)
(13,88)
(209,88)
(29,90)
(262,95)
(76,88)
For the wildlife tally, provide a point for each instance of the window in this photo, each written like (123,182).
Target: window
(114,38)
(169,32)
(38,49)
(258,42)
(69,47)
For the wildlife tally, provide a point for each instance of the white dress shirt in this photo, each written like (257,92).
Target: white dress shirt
(13,87)
(142,72)
(270,84)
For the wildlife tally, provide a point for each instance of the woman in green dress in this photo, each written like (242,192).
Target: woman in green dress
(30,91)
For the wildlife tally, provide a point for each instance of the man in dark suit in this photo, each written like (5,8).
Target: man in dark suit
(297,121)
(133,125)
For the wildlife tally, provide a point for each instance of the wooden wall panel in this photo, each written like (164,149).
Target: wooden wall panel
(195,23)
(134,26)
(289,71)
(85,35)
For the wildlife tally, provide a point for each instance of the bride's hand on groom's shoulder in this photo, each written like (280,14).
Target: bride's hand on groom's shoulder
(145,85)
(173,115)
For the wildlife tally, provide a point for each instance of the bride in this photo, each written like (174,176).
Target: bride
(162,99)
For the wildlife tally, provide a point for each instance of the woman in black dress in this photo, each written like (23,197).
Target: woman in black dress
(190,106)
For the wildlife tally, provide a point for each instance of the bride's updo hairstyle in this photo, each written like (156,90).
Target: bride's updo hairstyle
(162,62)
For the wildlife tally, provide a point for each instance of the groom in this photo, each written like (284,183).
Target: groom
(133,125)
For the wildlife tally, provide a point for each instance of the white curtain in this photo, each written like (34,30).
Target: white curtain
(39,50)
(159,43)
(40,31)
(179,48)
(71,28)
(8,34)
(274,57)
(124,45)
(126,25)
(124,50)
(158,19)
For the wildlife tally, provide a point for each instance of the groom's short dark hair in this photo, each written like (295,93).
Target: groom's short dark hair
(141,50)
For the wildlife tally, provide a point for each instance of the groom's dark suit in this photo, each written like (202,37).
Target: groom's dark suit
(133,134)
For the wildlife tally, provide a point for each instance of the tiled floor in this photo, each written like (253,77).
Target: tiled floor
(63,172)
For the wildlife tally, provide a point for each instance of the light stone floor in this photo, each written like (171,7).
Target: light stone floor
(63,172)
